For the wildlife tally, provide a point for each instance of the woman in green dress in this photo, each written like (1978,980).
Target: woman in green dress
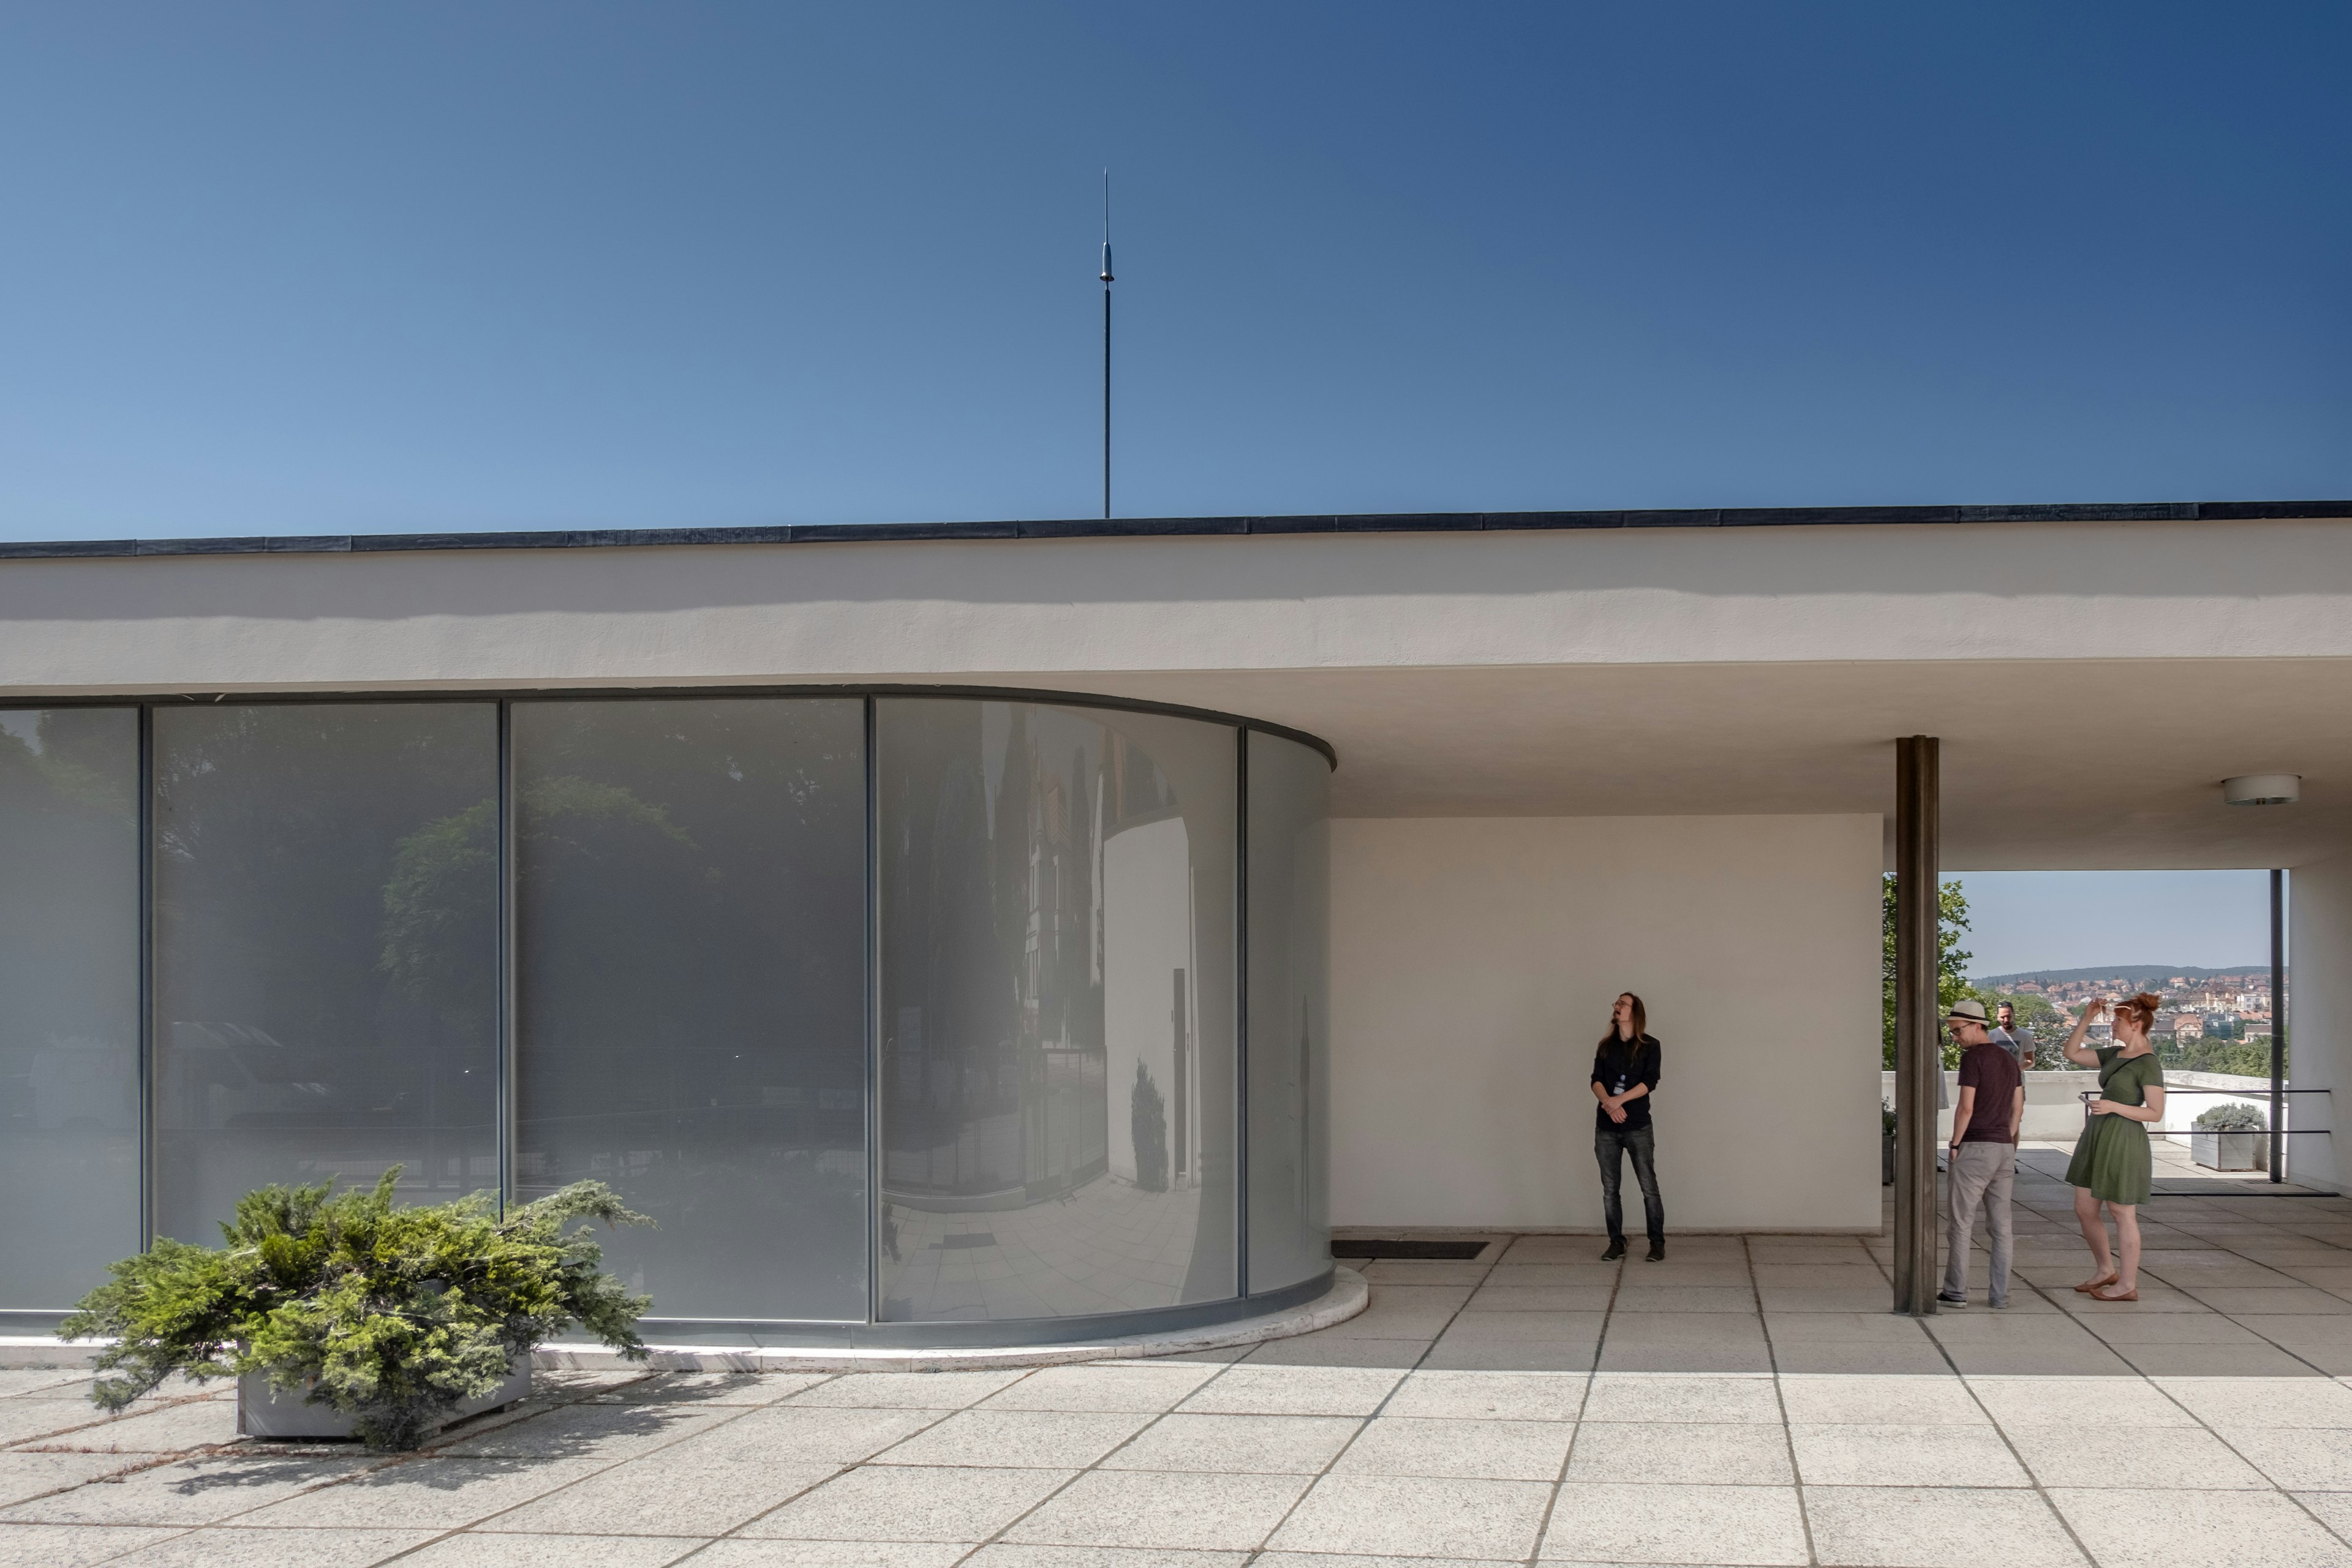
(2111,1164)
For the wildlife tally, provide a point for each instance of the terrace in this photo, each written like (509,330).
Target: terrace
(1748,1401)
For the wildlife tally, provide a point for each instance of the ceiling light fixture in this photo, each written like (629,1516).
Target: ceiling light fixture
(2263,789)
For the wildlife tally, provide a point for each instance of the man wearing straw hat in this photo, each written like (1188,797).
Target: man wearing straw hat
(1983,1163)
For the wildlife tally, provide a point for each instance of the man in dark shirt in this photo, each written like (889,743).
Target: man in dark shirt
(1625,1073)
(1983,1167)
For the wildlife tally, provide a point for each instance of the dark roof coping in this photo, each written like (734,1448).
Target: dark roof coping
(1163,527)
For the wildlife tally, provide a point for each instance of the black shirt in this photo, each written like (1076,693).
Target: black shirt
(1617,1066)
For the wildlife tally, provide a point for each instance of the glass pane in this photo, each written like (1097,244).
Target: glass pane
(326,950)
(690,984)
(69,1001)
(1056,1008)
(1290,1013)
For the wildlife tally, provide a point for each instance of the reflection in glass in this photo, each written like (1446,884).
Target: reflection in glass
(1290,1013)
(326,898)
(1057,945)
(69,1001)
(690,975)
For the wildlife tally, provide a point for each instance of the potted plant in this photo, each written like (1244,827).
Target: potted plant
(343,1315)
(1886,1143)
(2228,1137)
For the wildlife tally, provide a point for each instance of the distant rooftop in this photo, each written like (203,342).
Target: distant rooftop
(1166,527)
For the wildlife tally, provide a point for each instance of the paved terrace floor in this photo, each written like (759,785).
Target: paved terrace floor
(1749,1400)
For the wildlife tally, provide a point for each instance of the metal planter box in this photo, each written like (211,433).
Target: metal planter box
(2230,1151)
(263,1412)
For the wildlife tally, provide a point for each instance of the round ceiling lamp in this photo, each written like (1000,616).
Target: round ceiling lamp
(2263,789)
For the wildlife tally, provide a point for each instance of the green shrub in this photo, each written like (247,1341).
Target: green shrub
(391,1316)
(2233,1117)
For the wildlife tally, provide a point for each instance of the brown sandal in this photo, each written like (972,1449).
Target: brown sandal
(2130,1295)
(2098,1285)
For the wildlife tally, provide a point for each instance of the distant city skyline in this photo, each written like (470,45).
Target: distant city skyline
(2023,920)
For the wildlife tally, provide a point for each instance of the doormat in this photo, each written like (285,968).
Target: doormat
(1362,1248)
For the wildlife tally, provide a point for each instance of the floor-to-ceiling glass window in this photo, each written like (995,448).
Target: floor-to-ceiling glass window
(1290,1013)
(69,1001)
(1057,946)
(325,918)
(690,991)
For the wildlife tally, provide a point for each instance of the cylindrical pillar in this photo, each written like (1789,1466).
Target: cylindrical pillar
(1919,1061)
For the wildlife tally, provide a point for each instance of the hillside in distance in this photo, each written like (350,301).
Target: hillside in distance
(2139,976)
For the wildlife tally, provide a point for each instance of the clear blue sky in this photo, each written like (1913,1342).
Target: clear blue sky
(2074,919)
(328,267)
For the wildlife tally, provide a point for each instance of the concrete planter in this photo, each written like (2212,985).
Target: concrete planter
(2230,1151)
(263,1412)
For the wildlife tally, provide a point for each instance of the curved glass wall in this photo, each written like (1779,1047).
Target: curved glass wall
(1056,942)
(1290,1013)
(904,1016)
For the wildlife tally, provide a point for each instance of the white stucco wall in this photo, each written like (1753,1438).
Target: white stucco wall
(2319,1016)
(1473,965)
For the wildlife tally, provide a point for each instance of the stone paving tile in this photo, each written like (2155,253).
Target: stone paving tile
(908,1390)
(247,1548)
(26,1476)
(2172,1360)
(1028,1440)
(2171,1525)
(2060,1457)
(1316,1350)
(1496,1396)
(677,1491)
(422,1493)
(1478,1450)
(894,1503)
(1403,1516)
(72,1545)
(1635,1299)
(1241,1444)
(493,1550)
(613,1431)
(2071,1403)
(186,1492)
(1540,1298)
(2279,1401)
(1157,1509)
(1759,1526)
(2297,1459)
(1295,1391)
(1005,1554)
(1937,1527)
(1849,1454)
(1150,1387)
(742,1553)
(1714,1399)
(1694,1452)
(174,1429)
(1938,1401)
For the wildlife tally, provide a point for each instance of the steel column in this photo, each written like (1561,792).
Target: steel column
(2278,1024)
(1918,1062)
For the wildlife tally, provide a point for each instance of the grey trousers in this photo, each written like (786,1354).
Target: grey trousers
(1982,1176)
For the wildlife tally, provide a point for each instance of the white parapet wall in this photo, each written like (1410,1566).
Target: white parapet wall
(2053,1100)
(1473,965)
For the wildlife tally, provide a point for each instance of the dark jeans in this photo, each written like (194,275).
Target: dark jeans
(1610,1144)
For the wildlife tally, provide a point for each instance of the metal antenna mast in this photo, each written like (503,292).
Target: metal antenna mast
(1106,283)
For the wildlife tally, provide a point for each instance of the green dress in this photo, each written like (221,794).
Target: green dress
(2112,1158)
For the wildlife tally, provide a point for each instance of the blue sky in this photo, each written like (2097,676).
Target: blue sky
(2074,919)
(328,267)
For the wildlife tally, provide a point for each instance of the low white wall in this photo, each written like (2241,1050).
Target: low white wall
(1472,966)
(2053,1100)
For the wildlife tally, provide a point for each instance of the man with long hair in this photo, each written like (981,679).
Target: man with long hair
(1624,1076)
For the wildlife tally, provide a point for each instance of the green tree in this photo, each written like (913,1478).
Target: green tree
(1952,963)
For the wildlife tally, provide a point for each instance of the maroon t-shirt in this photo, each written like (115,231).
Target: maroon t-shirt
(1994,1073)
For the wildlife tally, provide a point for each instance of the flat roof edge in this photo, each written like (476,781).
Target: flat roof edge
(1182,527)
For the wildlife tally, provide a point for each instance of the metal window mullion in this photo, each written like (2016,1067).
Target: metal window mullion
(508,1032)
(1241,1013)
(874,1199)
(146,830)
(2278,1022)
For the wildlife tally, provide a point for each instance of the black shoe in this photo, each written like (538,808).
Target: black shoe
(1616,1250)
(1657,1252)
(1951,1301)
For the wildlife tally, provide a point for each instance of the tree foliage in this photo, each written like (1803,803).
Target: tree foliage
(393,1316)
(1952,965)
